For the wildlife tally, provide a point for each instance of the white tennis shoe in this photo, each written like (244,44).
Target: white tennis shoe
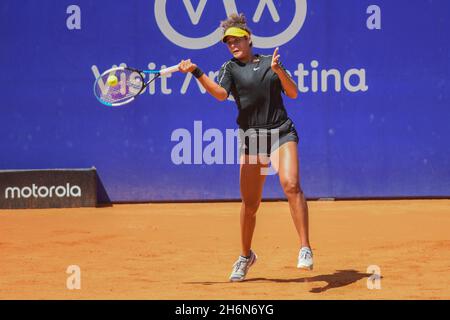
(241,266)
(305,259)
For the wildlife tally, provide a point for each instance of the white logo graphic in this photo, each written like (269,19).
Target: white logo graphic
(230,7)
(374,281)
(73,282)
(43,192)
(225,148)
(374,21)
(313,79)
(73,22)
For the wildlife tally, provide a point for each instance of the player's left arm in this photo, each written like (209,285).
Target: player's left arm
(289,85)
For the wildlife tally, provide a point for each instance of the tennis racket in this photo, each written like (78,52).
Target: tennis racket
(121,85)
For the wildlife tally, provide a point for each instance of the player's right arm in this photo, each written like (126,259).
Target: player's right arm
(210,86)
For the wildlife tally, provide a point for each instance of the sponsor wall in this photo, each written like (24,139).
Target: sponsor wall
(372,113)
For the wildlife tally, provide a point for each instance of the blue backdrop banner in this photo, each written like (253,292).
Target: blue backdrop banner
(372,114)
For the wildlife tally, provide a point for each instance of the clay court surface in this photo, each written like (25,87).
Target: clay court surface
(186,251)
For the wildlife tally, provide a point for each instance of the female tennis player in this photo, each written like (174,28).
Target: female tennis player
(256,83)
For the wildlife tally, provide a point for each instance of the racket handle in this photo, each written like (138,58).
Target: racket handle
(168,70)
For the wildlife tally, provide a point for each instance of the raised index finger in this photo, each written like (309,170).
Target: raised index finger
(275,52)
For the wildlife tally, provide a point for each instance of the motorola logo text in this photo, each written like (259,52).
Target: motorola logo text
(229,7)
(35,191)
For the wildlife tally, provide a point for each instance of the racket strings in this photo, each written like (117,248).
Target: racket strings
(129,84)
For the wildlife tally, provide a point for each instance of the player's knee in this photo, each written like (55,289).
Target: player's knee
(291,187)
(251,206)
